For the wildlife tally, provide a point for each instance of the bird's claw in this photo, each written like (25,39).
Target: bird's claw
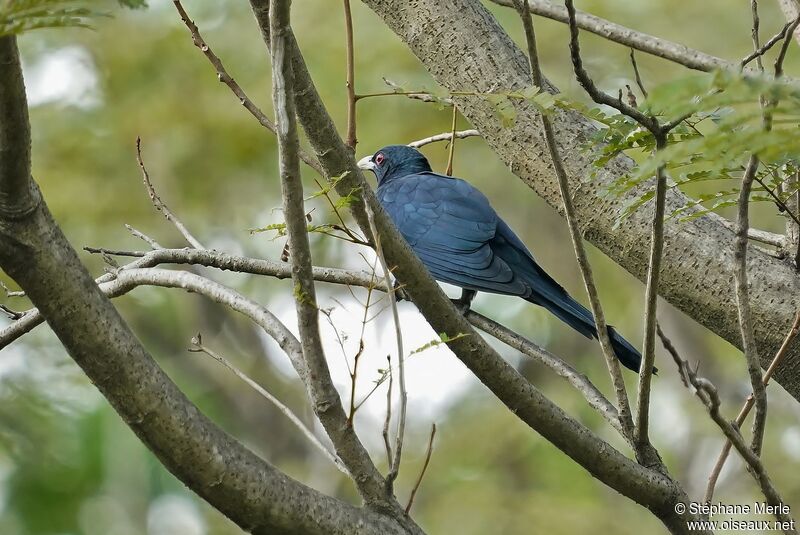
(462,305)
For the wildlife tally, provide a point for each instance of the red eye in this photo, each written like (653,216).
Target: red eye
(379,158)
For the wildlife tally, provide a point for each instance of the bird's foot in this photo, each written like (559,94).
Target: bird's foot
(399,293)
(464,302)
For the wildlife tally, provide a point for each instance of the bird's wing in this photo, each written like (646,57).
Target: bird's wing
(449,225)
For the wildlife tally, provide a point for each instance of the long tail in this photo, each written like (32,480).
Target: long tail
(579,318)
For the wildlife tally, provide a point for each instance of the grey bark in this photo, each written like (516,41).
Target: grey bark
(475,54)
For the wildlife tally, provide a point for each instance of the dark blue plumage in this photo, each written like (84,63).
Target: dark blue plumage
(462,241)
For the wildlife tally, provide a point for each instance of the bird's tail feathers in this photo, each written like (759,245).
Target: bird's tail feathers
(579,318)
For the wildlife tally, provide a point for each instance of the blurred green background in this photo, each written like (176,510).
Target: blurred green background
(67,463)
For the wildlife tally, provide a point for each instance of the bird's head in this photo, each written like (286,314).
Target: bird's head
(395,161)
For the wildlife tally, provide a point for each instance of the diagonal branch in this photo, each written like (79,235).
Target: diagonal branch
(649,44)
(577,241)
(280,270)
(642,442)
(159,204)
(199,347)
(707,393)
(236,89)
(325,399)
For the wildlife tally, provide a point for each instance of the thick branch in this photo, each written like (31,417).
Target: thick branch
(324,397)
(18,195)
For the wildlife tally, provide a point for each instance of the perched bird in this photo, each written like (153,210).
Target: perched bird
(459,237)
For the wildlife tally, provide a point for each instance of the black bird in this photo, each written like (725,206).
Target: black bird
(462,241)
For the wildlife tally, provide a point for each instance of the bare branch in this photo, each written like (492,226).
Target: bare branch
(324,396)
(762,236)
(451,153)
(707,393)
(422,472)
(743,302)
(785,32)
(351,138)
(756,37)
(401,427)
(662,48)
(588,84)
(199,347)
(398,90)
(388,420)
(593,396)
(159,204)
(144,237)
(637,75)
(236,89)
(446,136)
(748,404)
(577,241)
(785,47)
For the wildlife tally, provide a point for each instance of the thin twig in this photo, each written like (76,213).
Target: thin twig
(11,293)
(651,305)
(199,347)
(785,47)
(357,357)
(451,154)
(749,347)
(236,89)
(756,37)
(388,420)
(414,95)
(637,75)
(422,472)
(144,237)
(351,139)
(114,252)
(649,44)
(401,426)
(577,241)
(775,39)
(659,132)
(445,136)
(707,393)
(12,314)
(748,405)
(159,204)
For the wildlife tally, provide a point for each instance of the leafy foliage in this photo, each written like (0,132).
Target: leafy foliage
(18,16)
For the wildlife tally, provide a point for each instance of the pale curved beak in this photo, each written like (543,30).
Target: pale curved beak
(366,163)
